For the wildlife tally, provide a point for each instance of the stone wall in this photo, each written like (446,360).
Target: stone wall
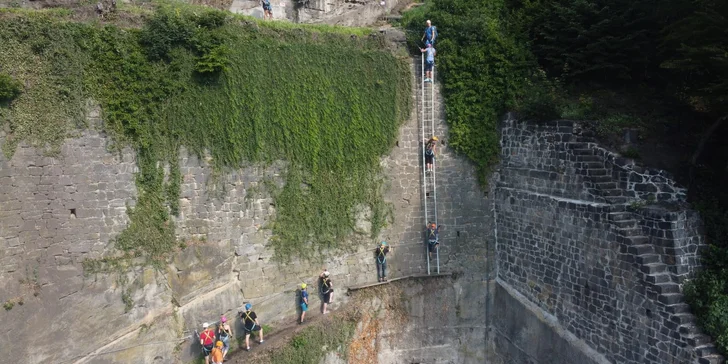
(114,317)
(337,12)
(577,236)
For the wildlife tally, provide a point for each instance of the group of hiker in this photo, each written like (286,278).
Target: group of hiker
(216,343)
(429,38)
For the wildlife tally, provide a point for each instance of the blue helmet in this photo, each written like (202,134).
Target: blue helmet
(248,306)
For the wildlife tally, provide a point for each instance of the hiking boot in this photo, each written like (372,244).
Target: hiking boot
(247,349)
(261,341)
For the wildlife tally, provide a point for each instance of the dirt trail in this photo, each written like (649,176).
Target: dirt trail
(279,338)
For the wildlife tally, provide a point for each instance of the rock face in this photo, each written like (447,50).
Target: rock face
(335,12)
(587,271)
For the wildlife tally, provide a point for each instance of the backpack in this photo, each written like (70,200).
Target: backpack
(428,149)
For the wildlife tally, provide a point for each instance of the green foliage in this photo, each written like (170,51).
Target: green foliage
(328,104)
(483,69)
(590,39)
(311,344)
(614,123)
(50,68)
(8,305)
(580,109)
(9,88)
(632,153)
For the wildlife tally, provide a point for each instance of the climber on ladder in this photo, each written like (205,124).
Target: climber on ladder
(433,237)
(430,61)
(430,147)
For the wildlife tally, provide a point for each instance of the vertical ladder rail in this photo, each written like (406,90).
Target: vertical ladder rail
(434,164)
(424,147)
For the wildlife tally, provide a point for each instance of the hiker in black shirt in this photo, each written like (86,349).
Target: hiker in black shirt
(327,290)
(250,324)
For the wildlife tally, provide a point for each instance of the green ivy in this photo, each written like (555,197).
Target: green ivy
(483,69)
(327,101)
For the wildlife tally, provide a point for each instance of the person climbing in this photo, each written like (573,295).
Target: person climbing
(207,340)
(217,353)
(430,34)
(433,237)
(430,149)
(304,302)
(224,333)
(429,61)
(267,10)
(327,290)
(382,251)
(250,324)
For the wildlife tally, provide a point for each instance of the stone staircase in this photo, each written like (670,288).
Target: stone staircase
(661,284)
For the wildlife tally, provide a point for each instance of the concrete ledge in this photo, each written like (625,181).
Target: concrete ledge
(354,288)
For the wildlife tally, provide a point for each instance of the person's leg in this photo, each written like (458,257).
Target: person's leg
(379,271)
(384,271)
(247,340)
(303,315)
(260,335)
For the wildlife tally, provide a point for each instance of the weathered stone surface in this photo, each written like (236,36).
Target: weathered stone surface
(607,271)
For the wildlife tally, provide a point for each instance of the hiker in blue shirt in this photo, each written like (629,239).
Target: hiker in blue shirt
(433,237)
(429,61)
(430,34)
(304,302)
(381,252)
(267,9)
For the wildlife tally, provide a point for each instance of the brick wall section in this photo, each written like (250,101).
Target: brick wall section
(609,271)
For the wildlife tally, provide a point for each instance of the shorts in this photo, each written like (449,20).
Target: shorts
(429,41)
(429,159)
(304,307)
(207,349)
(429,65)
(431,245)
(254,328)
(225,343)
(327,297)
(267,8)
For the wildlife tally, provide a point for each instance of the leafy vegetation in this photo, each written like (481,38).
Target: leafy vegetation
(483,68)
(658,66)
(9,88)
(678,47)
(311,344)
(327,102)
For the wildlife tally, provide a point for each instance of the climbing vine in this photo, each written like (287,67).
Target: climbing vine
(326,100)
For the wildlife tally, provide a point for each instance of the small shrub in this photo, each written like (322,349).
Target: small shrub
(631,153)
(10,88)
(581,109)
(8,305)
(614,123)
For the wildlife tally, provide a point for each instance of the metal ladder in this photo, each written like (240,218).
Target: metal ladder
(429,181)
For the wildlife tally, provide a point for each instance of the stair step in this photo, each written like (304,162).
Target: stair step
(678,308)
(611,193)
(620,216)
(578,145)
(639,240)
(641,249)
(585,151)
(688,329)
(667,287)
(625,224)
(653,268)
(648,258)
(706,349)
(601,179)
(711,359)
(588,158)
(698,339)
(592,165)
(671,298)
(630,231)
(597,172)
(683,318)
(658,278)
(606,185)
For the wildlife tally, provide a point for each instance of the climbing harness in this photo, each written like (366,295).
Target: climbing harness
(247,316)
(381,256)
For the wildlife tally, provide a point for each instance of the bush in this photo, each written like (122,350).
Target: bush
(9,88)
(482,66)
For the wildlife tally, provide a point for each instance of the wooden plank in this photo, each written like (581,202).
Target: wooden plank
(369,285)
